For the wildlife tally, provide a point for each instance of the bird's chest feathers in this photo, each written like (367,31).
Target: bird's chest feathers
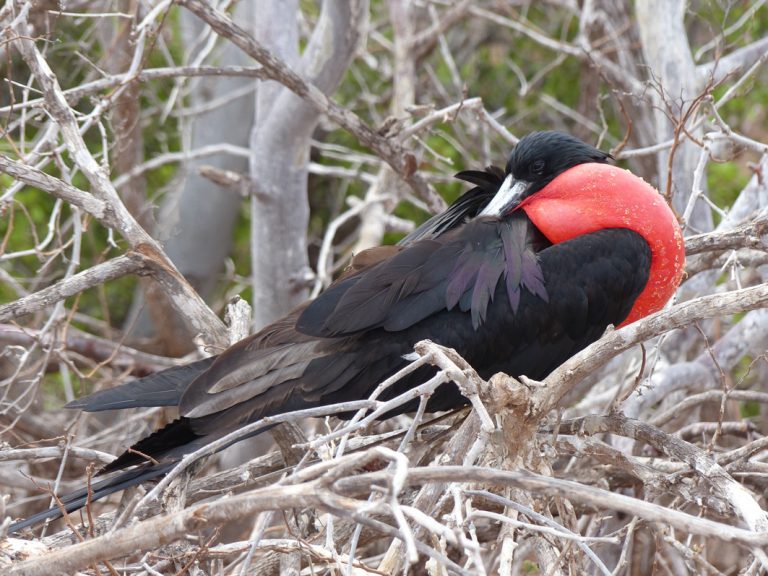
(593,197)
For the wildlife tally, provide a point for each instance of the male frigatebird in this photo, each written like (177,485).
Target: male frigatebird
(519,274)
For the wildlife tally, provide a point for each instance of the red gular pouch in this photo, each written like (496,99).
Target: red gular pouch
(592,197)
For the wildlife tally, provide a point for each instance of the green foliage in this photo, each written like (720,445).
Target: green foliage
(725,181)
(24,225)
(749,410)
(530,567)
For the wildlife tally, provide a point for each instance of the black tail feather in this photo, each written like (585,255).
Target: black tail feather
(177,434)
(99,490)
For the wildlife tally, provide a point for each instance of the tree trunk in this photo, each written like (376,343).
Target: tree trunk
(673,72)
(280,144)
(198,218)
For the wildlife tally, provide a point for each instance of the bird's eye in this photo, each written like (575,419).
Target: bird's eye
(538,166)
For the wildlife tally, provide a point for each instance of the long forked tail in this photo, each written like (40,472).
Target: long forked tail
(169,444)
(163,388)
(100,489)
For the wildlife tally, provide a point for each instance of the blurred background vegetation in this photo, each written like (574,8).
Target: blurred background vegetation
(414,76)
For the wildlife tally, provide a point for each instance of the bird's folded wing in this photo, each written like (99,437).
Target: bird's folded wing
(461,267)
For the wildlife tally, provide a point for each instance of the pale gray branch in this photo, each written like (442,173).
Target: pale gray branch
(118,267)
(391,152)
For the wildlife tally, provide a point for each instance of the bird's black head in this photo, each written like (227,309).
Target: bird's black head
(541,156)
(538,159)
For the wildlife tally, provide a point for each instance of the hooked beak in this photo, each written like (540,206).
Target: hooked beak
(510,194)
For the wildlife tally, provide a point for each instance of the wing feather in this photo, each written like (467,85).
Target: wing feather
(164,388)
(459,268)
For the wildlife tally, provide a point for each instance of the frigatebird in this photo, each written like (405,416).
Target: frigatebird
(520,273)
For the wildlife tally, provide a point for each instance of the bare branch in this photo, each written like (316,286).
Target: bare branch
(557,384)
(130,263)
(404,164)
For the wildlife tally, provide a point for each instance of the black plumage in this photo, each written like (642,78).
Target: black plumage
(480,278)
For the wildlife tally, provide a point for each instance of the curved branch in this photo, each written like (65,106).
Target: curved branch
(737,60)
(737,496)
(112,269)
(404,164)
(578,367)
(748,235)
(182,295)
